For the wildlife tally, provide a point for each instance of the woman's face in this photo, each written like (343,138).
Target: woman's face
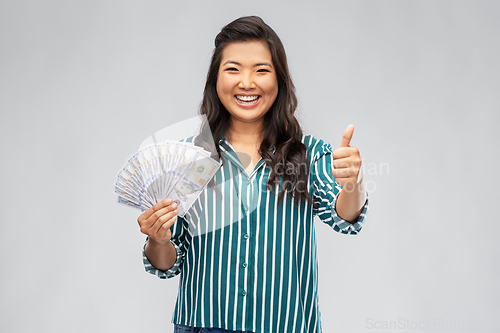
(247,84)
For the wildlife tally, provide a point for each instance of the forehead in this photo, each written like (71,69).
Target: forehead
(250,51)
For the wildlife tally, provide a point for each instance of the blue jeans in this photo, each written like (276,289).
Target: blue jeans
(189,329)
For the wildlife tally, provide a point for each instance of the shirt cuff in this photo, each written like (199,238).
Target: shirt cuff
(346,227)
(175,270)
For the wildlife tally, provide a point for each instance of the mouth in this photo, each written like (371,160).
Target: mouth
(247,100)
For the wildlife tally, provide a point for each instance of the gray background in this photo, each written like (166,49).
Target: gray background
(82,83)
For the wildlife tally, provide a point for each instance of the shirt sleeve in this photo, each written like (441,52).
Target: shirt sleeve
(326,191)
(178,239)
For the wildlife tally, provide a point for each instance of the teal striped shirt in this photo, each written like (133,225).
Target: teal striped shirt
(247,263)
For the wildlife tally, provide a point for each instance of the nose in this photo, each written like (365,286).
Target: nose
(246,82)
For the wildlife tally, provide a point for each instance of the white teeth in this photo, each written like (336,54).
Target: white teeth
(247,98)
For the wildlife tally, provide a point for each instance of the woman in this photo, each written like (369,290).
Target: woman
(246,250)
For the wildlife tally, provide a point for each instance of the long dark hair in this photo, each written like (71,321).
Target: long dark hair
(281,145)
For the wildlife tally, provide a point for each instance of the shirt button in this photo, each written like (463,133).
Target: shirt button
(244,292)
(245,236)
(246,208)
(245,264)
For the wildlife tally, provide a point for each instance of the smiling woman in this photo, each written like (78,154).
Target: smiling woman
(267,129)
(258,271)
(247,85)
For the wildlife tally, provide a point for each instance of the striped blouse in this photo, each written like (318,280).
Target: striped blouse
(247,263)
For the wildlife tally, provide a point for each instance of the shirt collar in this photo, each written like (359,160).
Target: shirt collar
(224,139)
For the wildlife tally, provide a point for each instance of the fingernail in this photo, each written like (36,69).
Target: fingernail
(174,205)
(176,211)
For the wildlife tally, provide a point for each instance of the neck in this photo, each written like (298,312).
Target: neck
(245,133)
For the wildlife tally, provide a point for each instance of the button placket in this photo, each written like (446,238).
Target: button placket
(244,197)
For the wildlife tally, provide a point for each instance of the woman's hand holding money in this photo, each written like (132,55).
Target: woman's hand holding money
(156,223)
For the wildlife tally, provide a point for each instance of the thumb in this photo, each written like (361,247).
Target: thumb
(346,138)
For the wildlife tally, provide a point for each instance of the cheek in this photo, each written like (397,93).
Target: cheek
(218,86)
(270,87)
(223,88)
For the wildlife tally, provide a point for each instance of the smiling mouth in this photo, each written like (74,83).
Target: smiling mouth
(247,99)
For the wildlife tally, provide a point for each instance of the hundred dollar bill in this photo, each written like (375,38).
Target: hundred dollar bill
(130,179)
(130,192)
(193,181)
(129,203)
(177,170)
(182,154)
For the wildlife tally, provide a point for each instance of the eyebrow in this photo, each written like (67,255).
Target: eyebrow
(256,65)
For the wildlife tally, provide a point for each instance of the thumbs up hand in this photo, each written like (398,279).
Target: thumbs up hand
(346,161)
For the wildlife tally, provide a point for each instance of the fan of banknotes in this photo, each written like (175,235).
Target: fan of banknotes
(171,169)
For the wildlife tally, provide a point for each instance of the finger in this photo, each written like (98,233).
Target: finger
(346,138)
(165,221)
(342,173)
(147,222)
(165,227)
(162,204)
(342,163)
(343,152)
(153,219)
(147,214)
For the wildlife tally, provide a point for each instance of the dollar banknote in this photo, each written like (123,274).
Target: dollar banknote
(170,169)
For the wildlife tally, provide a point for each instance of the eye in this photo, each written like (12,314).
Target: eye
(231,69)
(263,70)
